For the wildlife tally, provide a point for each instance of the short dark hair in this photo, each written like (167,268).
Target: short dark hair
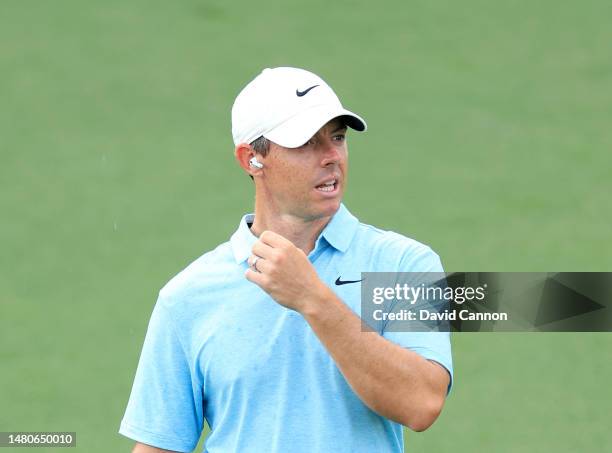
(261,145)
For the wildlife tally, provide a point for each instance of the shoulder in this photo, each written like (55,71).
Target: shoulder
(212,268)
(391,251)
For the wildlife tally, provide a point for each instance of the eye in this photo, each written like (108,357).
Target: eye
(339,137)
(310,142)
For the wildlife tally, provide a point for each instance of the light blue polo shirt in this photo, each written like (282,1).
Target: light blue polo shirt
(219,348)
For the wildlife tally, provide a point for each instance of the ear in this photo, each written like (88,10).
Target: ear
(243,153)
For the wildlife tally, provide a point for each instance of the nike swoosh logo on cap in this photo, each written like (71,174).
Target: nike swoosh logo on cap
(305,92)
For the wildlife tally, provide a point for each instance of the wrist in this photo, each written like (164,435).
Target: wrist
(315,302)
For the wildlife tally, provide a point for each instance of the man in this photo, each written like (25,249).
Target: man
(260,336)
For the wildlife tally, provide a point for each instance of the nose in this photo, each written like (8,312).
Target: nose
(332,154)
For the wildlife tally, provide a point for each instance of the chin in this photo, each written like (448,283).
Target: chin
(329,208)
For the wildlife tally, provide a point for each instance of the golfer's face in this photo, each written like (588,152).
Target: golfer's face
(309,181)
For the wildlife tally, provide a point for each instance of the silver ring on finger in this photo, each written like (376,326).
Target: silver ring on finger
(254,264)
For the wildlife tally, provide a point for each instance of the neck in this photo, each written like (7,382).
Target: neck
(302,232)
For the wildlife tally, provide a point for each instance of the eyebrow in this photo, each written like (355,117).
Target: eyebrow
(338,129)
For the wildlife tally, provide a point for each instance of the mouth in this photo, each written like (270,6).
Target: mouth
(329,186)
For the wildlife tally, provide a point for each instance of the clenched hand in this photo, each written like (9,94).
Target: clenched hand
(283,271)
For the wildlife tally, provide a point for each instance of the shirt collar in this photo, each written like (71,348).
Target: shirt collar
(243,239)
(340,230)
(338,233)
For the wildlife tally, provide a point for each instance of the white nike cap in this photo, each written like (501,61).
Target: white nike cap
(287,106)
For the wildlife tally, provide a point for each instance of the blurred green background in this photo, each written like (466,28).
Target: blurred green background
(489,139)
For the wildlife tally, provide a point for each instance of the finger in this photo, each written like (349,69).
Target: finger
(262,250)
(258,264)
(256,277)
(263,266)
(274,240)
(252,258)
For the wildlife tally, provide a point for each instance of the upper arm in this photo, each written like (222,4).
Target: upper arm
(425,267)
(165,408)
(144,448)
(441,379)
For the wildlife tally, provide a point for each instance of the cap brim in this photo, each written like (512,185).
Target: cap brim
(296,131)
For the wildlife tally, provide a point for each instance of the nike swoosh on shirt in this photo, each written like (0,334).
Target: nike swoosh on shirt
(345,282)
(305,92)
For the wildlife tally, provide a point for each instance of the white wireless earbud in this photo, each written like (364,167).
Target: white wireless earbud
(255,163)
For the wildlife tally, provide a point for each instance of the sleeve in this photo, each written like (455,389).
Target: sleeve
(165,409)
(434,346)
